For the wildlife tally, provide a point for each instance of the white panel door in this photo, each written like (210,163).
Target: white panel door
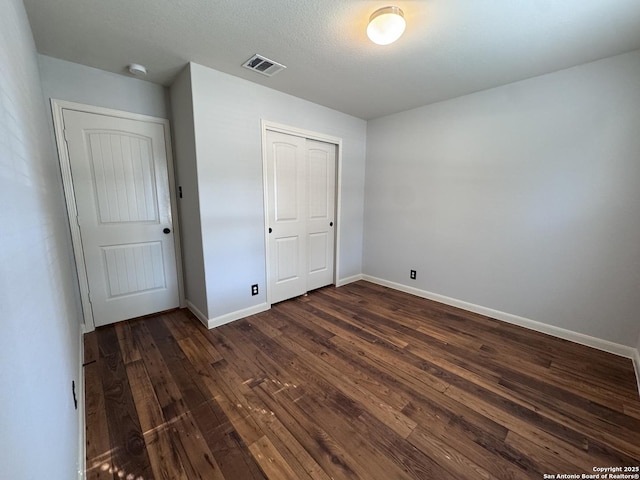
(301,205)
(287,214)
(121,186)
(321,176)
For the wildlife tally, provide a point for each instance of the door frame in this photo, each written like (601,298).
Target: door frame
(57,107)
(311,135)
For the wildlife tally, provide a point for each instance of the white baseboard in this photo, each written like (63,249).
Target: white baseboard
(196,311)
(344,281)
(82,426)
(600,344)
(237,315)
(227,317)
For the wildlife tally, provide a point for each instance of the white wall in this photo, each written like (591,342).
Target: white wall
(227,112)
(73,82)
(187,178)
(39,342)
(523,198)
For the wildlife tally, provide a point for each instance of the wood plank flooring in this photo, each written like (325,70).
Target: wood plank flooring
(355,382)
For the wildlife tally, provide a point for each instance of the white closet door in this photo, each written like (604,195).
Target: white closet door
(286,175)
(321,177)
(121,186)
(301,205)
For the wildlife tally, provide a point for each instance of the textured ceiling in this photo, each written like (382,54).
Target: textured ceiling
(450,47)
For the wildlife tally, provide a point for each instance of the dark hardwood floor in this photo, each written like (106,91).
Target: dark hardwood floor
(355,382)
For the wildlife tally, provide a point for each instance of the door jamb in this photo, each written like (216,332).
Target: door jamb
(311,135)
(57,107)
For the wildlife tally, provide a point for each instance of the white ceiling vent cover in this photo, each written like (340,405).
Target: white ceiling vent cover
(263,65)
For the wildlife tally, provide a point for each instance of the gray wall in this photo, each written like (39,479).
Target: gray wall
(39,344)
(187,178)
(227,112)
(523,198)
(73,82)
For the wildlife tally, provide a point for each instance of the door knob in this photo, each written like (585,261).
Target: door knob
(166,231)
(331,224)
(270,230)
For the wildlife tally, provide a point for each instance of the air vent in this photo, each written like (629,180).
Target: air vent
(263,65)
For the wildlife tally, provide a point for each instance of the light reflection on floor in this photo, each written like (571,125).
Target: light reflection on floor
(104,465)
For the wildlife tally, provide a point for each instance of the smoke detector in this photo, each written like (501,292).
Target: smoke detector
(137,69)
(263,65)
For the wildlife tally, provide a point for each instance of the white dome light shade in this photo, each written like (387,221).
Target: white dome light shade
(386,25)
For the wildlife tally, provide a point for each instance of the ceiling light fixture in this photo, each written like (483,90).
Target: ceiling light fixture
(386,25)
(137,69)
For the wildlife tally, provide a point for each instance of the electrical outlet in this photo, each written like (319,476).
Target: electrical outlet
(254,289)
(412,274)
